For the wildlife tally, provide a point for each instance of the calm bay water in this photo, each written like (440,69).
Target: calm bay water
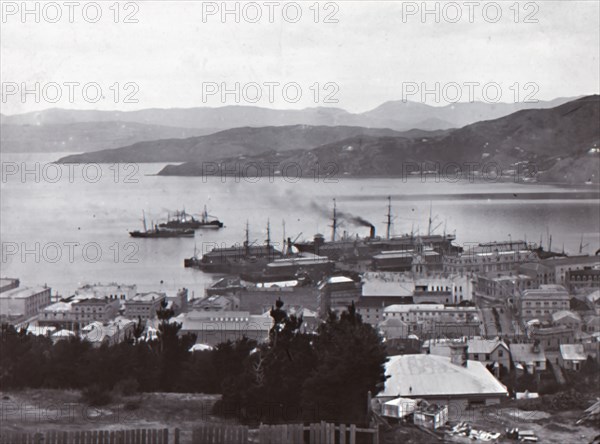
(84,218)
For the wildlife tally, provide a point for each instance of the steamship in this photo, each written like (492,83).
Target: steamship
(354,247)
(183,220)
(246,258)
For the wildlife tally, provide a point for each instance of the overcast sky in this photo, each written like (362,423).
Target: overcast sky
(364,58)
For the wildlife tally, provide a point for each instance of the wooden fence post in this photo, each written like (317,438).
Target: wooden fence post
(376,434)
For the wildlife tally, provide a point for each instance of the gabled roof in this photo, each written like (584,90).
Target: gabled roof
(524,353)
(594,296)
(565,314)
(22,292)
(428,375)
(572,352)
(392,322)
(58,306)
(480,345)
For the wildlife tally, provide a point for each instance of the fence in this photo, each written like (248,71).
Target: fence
(218,434)
(136,436)
(320,433)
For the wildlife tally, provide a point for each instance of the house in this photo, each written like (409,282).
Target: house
(392,328)
(144,305)
(260,297)
(591,324)
(8,284)
(112,291)
(539,273)
(337,293)
(561,266)
(542,302)
(217,303)
(435,288)
(371,308)
(530,357)
(551,337)
(442,380)
(103,310)
(490,352)
(583,279)
(57,314)
(112,333)
(22,303)
(213,328)
(494,257)
(437,320)
(572,356)
(593,301)
(177,300)
(504,286)
(567,318)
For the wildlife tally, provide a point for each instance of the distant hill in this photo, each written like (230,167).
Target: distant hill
(559,142)
(85,136)
(233,142)
(396,115)
(451,116)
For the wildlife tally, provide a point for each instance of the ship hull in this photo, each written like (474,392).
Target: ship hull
(161,234)
(193,225)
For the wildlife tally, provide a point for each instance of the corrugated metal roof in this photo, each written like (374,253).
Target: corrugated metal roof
(572,352)
(428,375)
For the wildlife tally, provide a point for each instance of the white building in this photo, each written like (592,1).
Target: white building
(442,380)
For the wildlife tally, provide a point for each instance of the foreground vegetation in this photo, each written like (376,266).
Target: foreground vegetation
(293,377)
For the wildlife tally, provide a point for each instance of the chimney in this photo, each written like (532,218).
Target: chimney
(372,233)
(458,353)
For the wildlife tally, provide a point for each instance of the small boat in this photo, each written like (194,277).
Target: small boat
(183,220)
(161,232)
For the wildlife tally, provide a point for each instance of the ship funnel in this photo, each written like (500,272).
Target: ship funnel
(372,233)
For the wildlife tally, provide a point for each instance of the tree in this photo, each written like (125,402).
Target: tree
(269,385)
(350,363)
(173,349)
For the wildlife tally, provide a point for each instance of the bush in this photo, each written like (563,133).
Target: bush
(96,396)
(132,405)
(127,387)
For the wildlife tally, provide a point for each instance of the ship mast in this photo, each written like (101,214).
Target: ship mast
(389,218)
(144,219)
(334,222)
(283,245)
(268,241)
(430,221)
(247,241)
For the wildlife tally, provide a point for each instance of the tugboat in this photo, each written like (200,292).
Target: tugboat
(159,232)
(183,220)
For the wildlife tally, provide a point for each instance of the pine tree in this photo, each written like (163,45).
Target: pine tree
(350,363)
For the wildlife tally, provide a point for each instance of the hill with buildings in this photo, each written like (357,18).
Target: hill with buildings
(561,144)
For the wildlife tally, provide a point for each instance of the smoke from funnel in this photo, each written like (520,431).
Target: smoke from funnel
(342,215)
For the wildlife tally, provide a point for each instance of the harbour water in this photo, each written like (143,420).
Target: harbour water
(74,229)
